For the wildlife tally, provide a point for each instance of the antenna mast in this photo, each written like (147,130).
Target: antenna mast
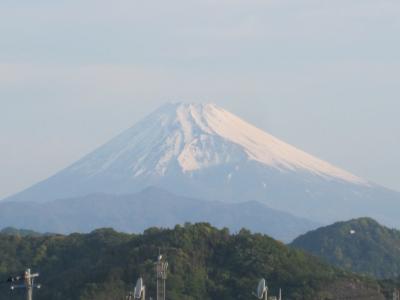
(28,284)
(161,272)
(396,294)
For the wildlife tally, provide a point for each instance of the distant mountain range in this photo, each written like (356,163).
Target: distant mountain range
(361,245)
(203,151)
(151,207)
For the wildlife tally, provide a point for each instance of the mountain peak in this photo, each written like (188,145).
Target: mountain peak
(193,108)
(204,150)
(198,136)
(187,137)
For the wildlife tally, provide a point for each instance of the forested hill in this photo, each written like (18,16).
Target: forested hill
(205,263)
(19,232)
(360,245)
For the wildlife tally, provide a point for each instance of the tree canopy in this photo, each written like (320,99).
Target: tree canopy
(205,263)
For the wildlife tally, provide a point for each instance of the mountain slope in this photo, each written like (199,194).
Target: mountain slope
(203,150)
(152,207)
(19,232)
(360,245)
(204,263)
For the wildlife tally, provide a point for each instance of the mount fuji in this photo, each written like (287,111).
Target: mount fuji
(204,151)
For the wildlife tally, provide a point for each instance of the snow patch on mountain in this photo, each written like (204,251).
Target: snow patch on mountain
(263,147)
(192,137)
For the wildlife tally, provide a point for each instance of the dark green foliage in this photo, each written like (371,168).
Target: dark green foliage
(205,263)
(360,245)
(20,232)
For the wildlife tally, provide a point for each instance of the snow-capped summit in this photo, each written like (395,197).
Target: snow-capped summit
(205,151)
(193,137)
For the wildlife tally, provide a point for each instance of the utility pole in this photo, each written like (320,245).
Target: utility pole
(161,272)
(28,283)
(396,294)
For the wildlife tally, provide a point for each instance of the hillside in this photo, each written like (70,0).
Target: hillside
(360,245)
(19,232)
(205,263)
(152,207)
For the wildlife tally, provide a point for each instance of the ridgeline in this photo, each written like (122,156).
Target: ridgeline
(360,245)
(205,263)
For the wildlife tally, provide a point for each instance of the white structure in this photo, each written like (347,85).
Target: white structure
(161,273)
(140,290)
(262,291)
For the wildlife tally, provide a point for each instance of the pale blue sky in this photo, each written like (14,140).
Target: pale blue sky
(321,75)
